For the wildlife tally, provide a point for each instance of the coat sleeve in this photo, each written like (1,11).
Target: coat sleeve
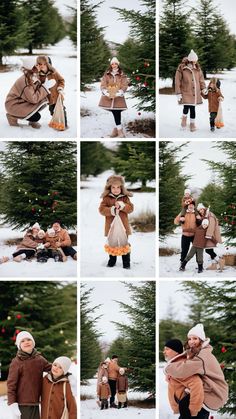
(71,403)
(12,382)
(202,81)
(171,396)
(65,239)
(124,83)
(128,208)
(46,365)
(104,208)
(60,81)
(28,242)
(178,80)
(177,219)
(104,83)
(34,96)
(186,369)
(211,228)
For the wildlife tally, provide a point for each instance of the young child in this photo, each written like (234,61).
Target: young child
(25,378)
(214,97)
(56,393)
(104,392)
(186,200)
(41,251)
(53,250)
(115,199)
(47,71)
(200,360)
(198,246)
(102,371)
(122,388)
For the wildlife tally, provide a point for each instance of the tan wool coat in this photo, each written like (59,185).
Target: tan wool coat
(189,82)
(60,83)
(213,235)
(52,403)
(29,242)
(199,240)
(107,206)
(189,226)
(176,390)
(113,370)
(120,82)
(213,99)
(63,237)
(104,391)
(24,99)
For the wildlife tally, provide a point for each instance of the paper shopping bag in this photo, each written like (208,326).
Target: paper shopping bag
(117,240)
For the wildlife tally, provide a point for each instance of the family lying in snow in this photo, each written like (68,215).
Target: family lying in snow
(27,388)
(55,243)
(199,227)
(39,86)
(196,383)
(190,87)
(112,382)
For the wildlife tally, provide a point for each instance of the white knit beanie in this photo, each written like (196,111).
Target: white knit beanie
(64,362)
(23,335)
(36,225)
(114,60)
(205,222)
(104,379)
(121,371)
(200,206)
(192,56)
(198,331)
(51,231)
(28,62)
(187,191)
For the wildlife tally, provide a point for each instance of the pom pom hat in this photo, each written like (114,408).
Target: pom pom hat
(64,362)
(200,206)
(23,335)
(198,331)
(36,225)
(192,56)
(114,60)
(28,63)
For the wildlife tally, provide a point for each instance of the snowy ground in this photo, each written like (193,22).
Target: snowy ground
(90,410)
(63,56)
(93,257)
(5,412)
(169,265)
(169,125)
(31,269)
(165,411)
(100,122)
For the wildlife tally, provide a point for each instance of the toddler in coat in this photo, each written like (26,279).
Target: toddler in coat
(186,200)
(115,200)
(25,378)
(122,388)
(199,243)
(104,392)
(214,97)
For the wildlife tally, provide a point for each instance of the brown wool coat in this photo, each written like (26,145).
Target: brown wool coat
(102,372)
(189,82)
(199,240)
(122,383)
(113,370)
(176,389)
(213,99)
(104,391)
(25,378)
(105,209)
(63,237)
(213,231)
(29,242)
(60,83)
(23,100)
(121,81)
(52,403)
(206,365)
(189,226)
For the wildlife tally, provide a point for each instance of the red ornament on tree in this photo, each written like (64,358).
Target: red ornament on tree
(137,78)
(17,331)
(33,209)
(223,349)
(3,330)
(18,316)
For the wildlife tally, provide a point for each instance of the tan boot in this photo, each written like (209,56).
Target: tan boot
(35,125)
(192,126)
(114,133)
(18,258)
(221,263)
(4,259)
(12,120)
(121,133)
(184,121)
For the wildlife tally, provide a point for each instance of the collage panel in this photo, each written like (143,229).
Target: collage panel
(38,349)
(196,347)
(118,335)
(197,209)
(118,68)
(38,210)
(117,208)
(197,62)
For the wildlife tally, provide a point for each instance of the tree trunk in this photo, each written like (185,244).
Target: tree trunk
(30,48)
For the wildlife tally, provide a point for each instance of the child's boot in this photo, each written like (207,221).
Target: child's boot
(114,133)
(200,268)
(182,266)
(102,405)
(12,120)
(125,404)
(184,121)
(119,405)
(111,261)
(121,133)
(106,404)
(126,261)
(34,125)
(192,125)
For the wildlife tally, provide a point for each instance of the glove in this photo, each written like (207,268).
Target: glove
(179,98)
(15,410)
(40,246)
(120,93)
(204,91)
(48,84)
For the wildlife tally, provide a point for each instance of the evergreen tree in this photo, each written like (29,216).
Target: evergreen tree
(141,64)
(136,161)
(211,195)
(90,352)
(10,27)
(219,302)
(95,158)
(94,51)
(175,37)
(73,27)
(171,185)
(39,183)
(120,346)
(140,335)
(47,309)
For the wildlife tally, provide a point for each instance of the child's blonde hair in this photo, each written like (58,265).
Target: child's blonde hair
(115,180)
(214,83)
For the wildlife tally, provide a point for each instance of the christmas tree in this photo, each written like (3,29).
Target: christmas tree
(39,183)
(47,309)
(95,158)
(10,27)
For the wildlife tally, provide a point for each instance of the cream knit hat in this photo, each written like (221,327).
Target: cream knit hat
(198,331)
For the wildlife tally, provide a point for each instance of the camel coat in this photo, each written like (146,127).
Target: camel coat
(189,82)
(52,404)
(189,226)
(213,99)
(60,83)
(62,236)
(24,99)
(104,391)
(213,235)
(107,207)
(121,83)
(176,390)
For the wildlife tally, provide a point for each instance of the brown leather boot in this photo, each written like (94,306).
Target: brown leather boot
(114,133)
(184,121)
(35,125)
(12,120)
(121,133)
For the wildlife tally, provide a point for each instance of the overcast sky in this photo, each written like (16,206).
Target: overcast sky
(62,6)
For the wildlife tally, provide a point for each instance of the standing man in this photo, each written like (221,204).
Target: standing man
(113,372)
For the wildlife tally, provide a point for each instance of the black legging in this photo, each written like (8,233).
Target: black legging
(35,117)
(29,253)
(117,116)
(192,111)
(211,253)
(112,384)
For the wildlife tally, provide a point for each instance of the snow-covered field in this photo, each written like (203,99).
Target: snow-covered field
(165,411)
(93,257)
(171,112)
(90,410)
(169,265)
(63,56)
(100,122)
(5,412)
(31,269)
